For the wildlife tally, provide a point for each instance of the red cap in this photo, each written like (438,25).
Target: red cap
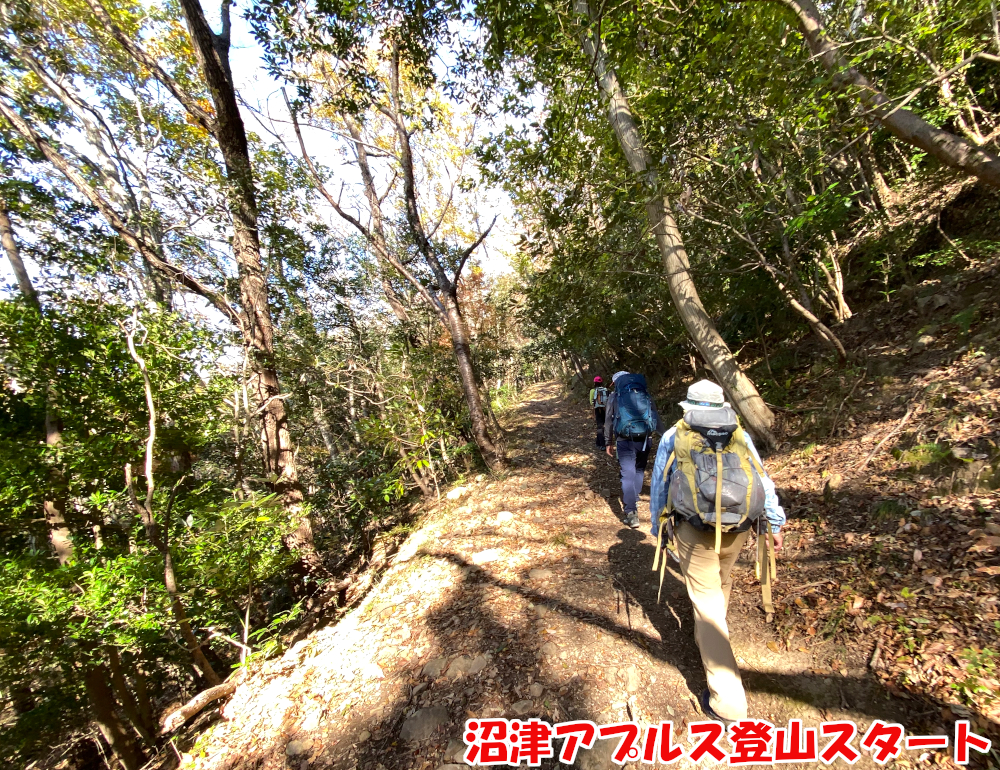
(598,379)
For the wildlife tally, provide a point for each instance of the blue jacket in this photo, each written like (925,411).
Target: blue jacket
(773,511)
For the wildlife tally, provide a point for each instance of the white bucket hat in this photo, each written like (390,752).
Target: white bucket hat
(704,394)
(616,375)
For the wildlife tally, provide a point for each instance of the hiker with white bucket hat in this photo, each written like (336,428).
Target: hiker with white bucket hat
(710,489)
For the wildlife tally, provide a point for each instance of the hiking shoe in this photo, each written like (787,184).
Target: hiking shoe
(632,520)
(709,712)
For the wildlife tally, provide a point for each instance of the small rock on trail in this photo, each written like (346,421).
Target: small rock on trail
(422,724)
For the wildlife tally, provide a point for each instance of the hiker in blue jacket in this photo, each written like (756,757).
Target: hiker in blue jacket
(630,421)
(706,566)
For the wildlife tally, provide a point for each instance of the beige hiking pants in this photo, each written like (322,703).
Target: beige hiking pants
(708,579)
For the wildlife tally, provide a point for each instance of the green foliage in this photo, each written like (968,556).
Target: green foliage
(765,162)
(964,318)
(112,594)
(981,668)
(885,511)
(923,455)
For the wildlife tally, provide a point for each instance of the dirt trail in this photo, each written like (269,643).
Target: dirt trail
(521,596)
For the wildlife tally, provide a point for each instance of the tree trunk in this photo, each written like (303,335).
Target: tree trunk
(803,305)
(212,51)
(821,330)
(157,284)
(377,228)
(14,256)
(444,300)
(169,576)
(102,701)
(160,540)
(470,387)
(213,57)
(747,401)
(142,698)
(414,472)
(323,426)
(835,284)
(949,149)
(54,506)
(127,700)
(255,320)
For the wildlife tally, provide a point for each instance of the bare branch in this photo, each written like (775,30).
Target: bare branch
(445,209)
(409,180)
(468,252)
(374,239)
(334,202)
(176,719)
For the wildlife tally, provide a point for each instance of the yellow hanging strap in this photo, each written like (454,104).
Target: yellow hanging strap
(659,545)
(659,534)
(766,567)
(664,514)
(718,502)
(663,573)
(659,554)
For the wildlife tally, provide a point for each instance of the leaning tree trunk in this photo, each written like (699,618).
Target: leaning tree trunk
(804,308)
(748,402)
(212,51)
(951,150)
(459,333)
(446,303)
(54,505)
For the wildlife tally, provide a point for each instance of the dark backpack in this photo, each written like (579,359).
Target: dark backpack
(635,418)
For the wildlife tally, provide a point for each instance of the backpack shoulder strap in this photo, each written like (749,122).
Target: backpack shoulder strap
(740,439)
(738,446)
(666,470)
(685,442)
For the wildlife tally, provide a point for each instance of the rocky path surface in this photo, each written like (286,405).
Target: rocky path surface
(520,596)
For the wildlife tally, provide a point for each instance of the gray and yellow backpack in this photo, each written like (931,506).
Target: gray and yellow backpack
(717,486)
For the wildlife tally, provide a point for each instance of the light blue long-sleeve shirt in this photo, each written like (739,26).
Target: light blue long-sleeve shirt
(773,511)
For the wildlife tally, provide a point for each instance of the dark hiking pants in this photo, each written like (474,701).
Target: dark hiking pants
(599,412)
(632,456)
